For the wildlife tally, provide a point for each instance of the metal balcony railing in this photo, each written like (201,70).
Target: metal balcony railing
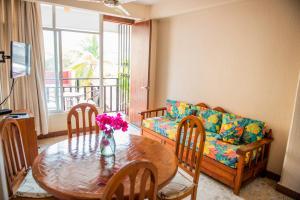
(112,95)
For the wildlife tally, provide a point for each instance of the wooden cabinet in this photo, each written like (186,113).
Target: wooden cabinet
(29,137)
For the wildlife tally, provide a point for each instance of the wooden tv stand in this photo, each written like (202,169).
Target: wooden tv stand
(28,133)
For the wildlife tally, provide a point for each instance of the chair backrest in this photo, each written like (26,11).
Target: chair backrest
(190,145)
(134,174)
(83,107)
(13,153)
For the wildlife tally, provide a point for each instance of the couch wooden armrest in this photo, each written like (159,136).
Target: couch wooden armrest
(149,113)
(244,149)
(152,113)
(257,153)
(253,146)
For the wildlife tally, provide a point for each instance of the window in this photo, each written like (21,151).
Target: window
(72,53)
(74,50)
(116,64)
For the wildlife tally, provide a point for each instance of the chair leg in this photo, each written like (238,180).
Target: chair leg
(239,175)
(194,194)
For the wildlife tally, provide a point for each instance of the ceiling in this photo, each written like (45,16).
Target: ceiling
(147,2)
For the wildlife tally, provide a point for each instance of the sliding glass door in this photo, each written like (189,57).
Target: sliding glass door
(72,51)
(87,59)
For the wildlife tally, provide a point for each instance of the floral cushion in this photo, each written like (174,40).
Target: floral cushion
(223,152)
(211,120)
(154,122)
(232,128)
(177,110)
(162,125)
(195,110)
(254,131)
(214,147)
(168,129)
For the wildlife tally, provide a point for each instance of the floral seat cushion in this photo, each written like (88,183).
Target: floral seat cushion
(214,147)
(222,151)
(168,129)
(154,122)
(162,125)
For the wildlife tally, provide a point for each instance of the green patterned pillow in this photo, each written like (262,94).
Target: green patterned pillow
(177,110)
(171,106)
(211,120)
(254,131)
(195,110)
(232,128)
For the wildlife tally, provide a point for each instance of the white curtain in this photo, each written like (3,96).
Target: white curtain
(5,27)
(22,22)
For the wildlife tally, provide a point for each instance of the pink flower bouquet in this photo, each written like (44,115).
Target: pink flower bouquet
(108,124)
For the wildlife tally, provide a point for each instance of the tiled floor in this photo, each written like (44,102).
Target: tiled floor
(210,189)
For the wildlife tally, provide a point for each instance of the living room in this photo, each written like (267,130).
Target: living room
(146,59)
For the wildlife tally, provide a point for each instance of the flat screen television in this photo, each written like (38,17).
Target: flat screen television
(20,59)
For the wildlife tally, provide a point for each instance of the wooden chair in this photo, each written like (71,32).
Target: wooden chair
(83,107)
(189,150)
(19,180)
(143,171)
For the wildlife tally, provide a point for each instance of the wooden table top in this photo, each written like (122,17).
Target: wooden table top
(75,169)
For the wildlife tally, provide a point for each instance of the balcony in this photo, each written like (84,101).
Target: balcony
(110,94)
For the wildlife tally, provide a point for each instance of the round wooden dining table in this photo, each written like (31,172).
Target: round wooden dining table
(75,169)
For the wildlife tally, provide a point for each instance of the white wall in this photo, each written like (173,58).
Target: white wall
(58,121)
(168,8)
(290,176)
(243,56)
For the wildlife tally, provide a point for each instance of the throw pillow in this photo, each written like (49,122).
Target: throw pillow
(176,110)
(195,110)
(211,120)
(254,131)
(232,128)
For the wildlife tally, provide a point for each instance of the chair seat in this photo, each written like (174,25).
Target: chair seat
(179,186)
(30,189)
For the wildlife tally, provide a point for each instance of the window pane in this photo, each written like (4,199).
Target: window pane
(46,11)
(80,56)
(84,20)
(110,50)
(50,77)
(80,53)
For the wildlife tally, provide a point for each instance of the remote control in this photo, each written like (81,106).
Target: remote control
(18,113)
(5,111)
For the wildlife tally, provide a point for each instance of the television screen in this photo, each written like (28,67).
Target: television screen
(20,59)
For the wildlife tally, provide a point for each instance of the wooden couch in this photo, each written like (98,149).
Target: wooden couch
(233,177)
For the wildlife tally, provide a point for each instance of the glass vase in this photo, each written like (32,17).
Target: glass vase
(107,144)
